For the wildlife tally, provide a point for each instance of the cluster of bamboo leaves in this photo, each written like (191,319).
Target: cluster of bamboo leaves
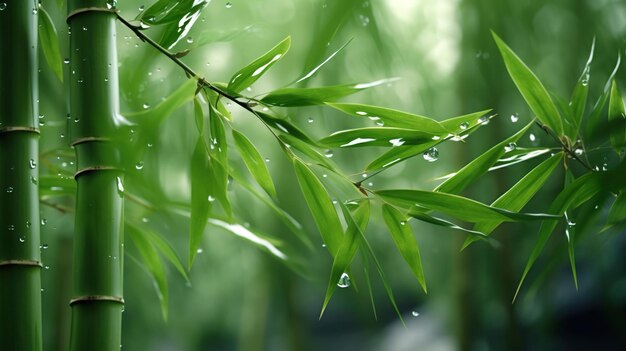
(577,128)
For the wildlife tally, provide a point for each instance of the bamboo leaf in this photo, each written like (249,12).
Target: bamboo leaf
(246,76)
(317,68)
(182,20)
(53,185)
(309,151)
(154,266)
(519,194)
(402,236)
(578,101)
(218,144)
(531,88)
(198,115)
(376,136)
(50,43)
(446,224)
(617,213)
(316,96)
(392,118)
(479,166)
(617,118)
(200,193)
(570,231)
(321,206)
(460,207)
(249,235)
(285,126)
(254,162)
(166,249)
(167,11)
(572,196)
(345,255)
(219,178)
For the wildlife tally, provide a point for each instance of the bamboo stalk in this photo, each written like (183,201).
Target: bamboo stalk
(97,302)
(20,267)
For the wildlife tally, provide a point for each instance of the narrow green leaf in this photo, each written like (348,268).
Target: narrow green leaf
(572,196)
(246,76)
(519,194)
(198,115)
(316,96)
(309,151)
(200,193)
(446,224)
(253,237)
(531,88)
(570,231)
(617,118)
(253,160)
(617,213)
(284,126)
(218,145)
(598,107)
(402,236)
(218,177)
(50,43)
(168,11)
(520,154)
(153,264)
(392,118)
(578,101)
(166,249)
(321,206)
(479,166)
(316,68)
(376,136)
(349,245)
(181,22)
(457,206)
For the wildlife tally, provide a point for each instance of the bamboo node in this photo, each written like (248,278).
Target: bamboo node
(31,263)
(94,298)
(95,169)
(19,129)
(88,9)
(89,139)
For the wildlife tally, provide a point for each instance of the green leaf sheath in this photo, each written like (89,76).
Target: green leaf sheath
(246,76)
(20,258)
(97,288)
(402,236)
(530,87)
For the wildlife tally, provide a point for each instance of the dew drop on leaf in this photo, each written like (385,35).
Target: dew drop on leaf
(514,117)
(510,147)
(431,155)
(464,125)
(415,313)
(344,281)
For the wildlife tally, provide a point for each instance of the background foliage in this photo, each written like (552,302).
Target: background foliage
(239,297)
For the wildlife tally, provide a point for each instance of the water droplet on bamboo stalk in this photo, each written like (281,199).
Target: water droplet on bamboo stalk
(229,5)
(44,246)
(510,147)
(32,163)
(514,117)
(34,11)
(120,186)
(22,239)
(34,180)
(3,5)
(344,281)
(66,60)
(415,314)
(464,125)
(431,155)
(328,153)
(44,221)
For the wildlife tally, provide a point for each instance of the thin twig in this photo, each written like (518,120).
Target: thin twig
(565,147)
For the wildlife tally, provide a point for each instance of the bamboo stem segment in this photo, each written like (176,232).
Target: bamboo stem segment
(20,257)
(98,255)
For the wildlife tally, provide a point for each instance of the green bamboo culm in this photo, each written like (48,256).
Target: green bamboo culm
(97,302)
(20,256)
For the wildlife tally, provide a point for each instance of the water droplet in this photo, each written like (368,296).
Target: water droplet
(364,175)
(10,189)
(211,198)
(34,180)
(464,125)
(141,8)
(46,267)
(415,314)
(344,281)
(484,120)
(579,152)
(22,239)
(510,147)
(514,117)
(311,120)
(532,137)
(585,82)
(84,28)
(605,167)
(111,4)
(328,153)
(431,155)
(139,165)
(267,160)
(3,5)
(402,222)
(323,245)
(44,246)
(324,175)
(66,60)
(120,186)
(145,106)
(32,163)
(189,40)
(44,221)
(11,227)
(229,5)
(364,20)
(34,11)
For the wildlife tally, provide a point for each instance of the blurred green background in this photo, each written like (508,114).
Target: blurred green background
(241,298)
